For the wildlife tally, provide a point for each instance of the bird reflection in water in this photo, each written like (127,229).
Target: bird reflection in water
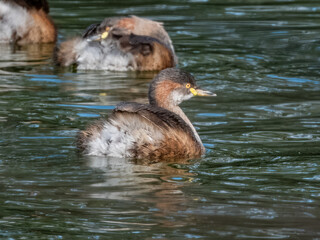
(26,55)
(139,182)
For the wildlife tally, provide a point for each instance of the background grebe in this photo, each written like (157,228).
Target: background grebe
(119,44)
(26,21)
(157,131)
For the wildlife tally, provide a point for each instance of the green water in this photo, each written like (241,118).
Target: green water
(260,178)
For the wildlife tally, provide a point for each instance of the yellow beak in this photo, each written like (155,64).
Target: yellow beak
(201,92)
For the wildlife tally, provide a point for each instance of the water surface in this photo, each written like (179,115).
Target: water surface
(260,176)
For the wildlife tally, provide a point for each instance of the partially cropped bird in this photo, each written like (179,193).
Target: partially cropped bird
(26,21)
(158,131)
(119,44)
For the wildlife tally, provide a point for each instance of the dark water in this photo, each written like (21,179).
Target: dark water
(260,178)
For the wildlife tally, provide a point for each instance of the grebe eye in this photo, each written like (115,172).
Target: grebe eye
(188,85)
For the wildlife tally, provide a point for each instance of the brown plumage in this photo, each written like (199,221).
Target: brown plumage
(26,21)
(159,131)
(66,54)
(119,44)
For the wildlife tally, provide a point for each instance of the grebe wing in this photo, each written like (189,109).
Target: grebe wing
(158,133)
(91,30)
(140,131)
(137,44)
(127,42)
(158,116)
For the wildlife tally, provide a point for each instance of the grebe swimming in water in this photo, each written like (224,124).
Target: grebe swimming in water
(119,44)
(26,21)
(157,131)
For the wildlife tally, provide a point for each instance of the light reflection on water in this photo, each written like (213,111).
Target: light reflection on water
(260,175)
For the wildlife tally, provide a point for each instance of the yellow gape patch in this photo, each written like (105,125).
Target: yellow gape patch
(193,91)
(104,35)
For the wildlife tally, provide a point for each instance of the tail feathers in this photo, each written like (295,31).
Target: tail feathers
(104,139)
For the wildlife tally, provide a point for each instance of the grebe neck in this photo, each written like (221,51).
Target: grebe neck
(177,110)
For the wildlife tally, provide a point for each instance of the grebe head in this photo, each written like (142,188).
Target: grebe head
(172,86)
(100,32)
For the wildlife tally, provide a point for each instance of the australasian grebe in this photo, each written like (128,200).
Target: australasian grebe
(26,21)
(119,44)
(157,131)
